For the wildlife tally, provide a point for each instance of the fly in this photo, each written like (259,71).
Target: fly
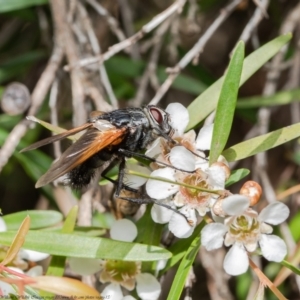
(109,138)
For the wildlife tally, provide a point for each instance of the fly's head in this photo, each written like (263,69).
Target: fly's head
(159,121)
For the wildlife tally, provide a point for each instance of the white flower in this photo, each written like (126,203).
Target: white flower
(119,274)
(189,200)
(244,230)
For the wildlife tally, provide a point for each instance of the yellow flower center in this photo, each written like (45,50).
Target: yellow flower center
(121,270)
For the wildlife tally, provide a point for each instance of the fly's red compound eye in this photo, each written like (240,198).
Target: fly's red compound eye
(157,115)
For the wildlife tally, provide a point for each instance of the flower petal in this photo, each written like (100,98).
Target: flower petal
(7,289)
(236,261)
(203,141)
(178,224)
(183,159)
(128,297)
(112,291)
(217,177)
(235,205)
(3,226)
(275,213)
(212,236)
(160,214)
(158,189)
(34,255)
(135,181)
(154,148)
(123,230)
(147,286)
(84,266)
(179,117)
(35,271)
(272,247)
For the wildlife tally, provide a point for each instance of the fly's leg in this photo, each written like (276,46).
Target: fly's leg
(129,153)
(114,163)
(142,200)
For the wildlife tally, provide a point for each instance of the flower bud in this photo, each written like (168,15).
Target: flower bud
(16,99)
(218,209)
(252,190)
(223,166)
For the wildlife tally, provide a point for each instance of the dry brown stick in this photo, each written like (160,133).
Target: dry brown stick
(111,21)
(127,18)
(38,95)
(175,7)
(152,64)
(259,14)
(59,13)
(53,115)
(97,51)
(194,52)
(264,114)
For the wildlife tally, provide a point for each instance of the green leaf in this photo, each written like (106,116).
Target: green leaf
(226,103)
(89,247)
(236,176)
(288,265)
(179,248)
(294,225)
(149,233)
(184,268)
(262,143)
(39,219)
(204,104)
(57,264)
(9,5)
(281,98)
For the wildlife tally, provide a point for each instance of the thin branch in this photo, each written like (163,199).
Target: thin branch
(150,71)
(175,7)
(127,18)
(111,21)
(53,110)
(259,14)
(38,95)
(97,51)
(59,12)
(194,52)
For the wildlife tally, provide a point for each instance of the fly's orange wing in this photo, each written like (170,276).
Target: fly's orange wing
(57,137)
(88,144)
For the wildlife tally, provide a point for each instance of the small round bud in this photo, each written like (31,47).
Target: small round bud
(252,190)
(16,99)
(218,209)
(223,166)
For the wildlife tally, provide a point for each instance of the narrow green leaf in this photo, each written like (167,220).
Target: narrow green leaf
(236,176)
(10,5)
(288,265)
(53,128)
(184,268)
(204,104)
(226,103)
(17,242)
(281,98)
(149,233)
(38,219)
(57,264)
(70,221)
(83,246)
(179,248)
(262,143)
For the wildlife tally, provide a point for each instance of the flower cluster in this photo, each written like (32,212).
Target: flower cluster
(192,188)
(118,273)
(198,184)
